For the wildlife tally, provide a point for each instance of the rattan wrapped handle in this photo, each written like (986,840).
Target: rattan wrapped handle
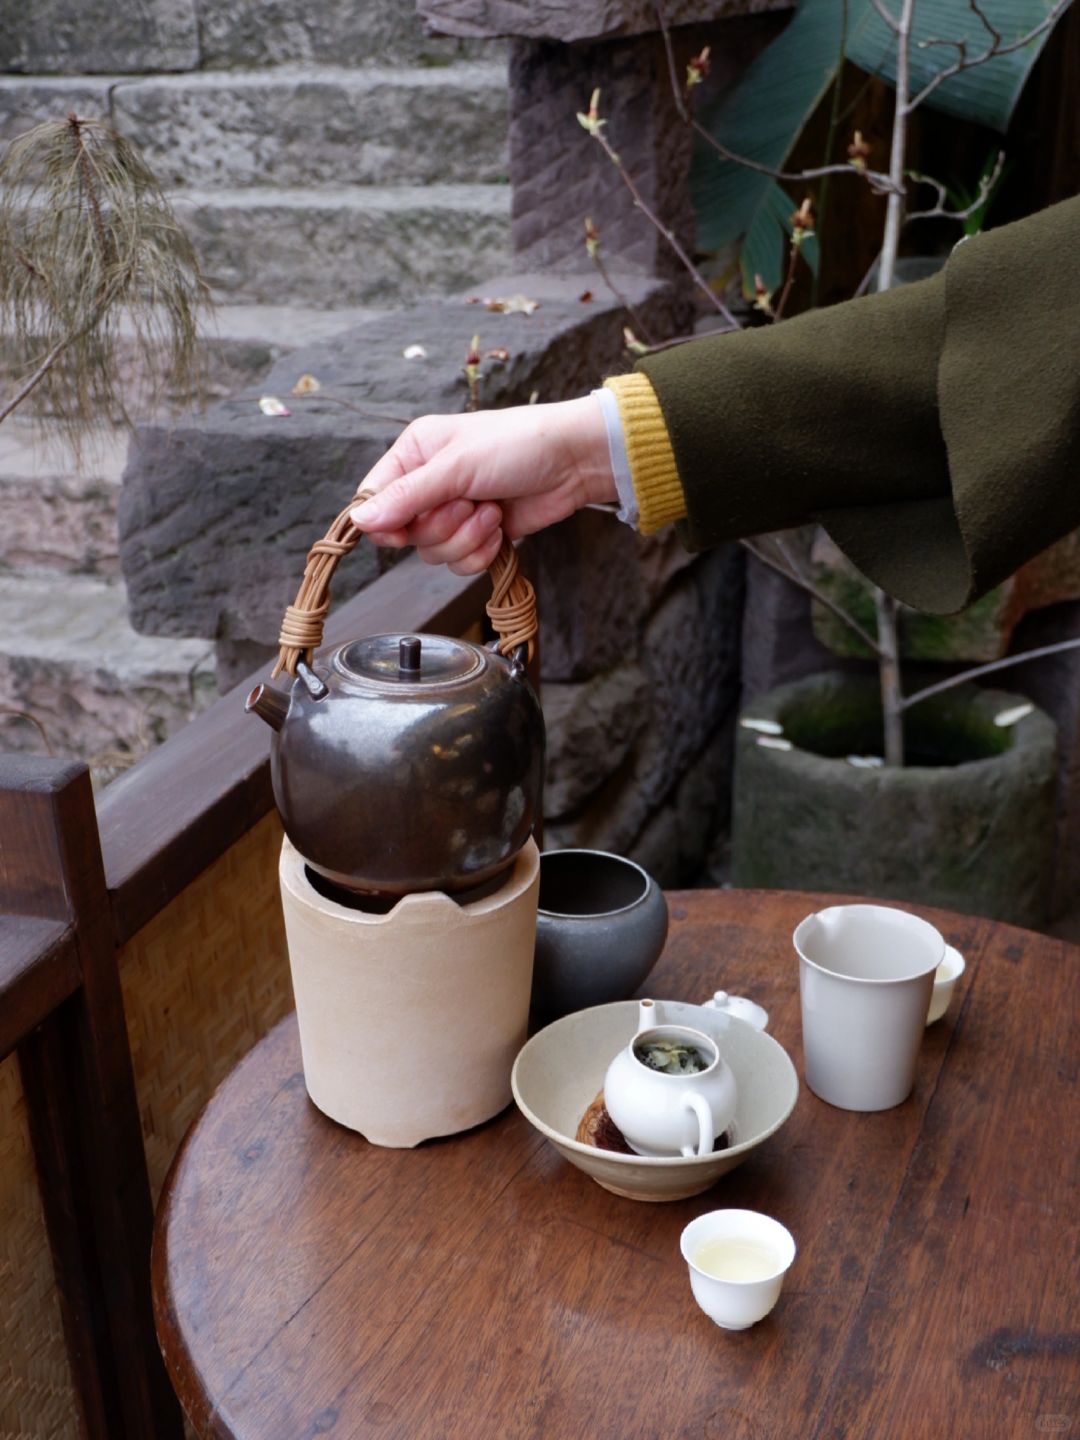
(511,609)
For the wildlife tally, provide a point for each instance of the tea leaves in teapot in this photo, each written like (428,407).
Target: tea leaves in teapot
(671,1057)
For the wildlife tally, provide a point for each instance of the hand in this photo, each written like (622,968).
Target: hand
(451,484)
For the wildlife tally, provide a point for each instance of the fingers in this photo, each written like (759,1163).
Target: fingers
(475,534)
(481,558)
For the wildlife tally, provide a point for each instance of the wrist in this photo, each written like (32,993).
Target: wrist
(587,439)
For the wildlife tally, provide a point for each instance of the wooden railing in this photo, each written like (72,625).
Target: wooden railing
(70,899)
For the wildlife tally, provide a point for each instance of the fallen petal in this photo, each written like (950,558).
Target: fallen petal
(500,353)
(866,762)
(766,727)
(306,385)
(774,742)
(414,352)
(1004,718)
(271,405)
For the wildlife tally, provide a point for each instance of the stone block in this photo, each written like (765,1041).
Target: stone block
(58,510)
(98,37)
(689,653)
(317,125)
(101,693)
(569,20)
(353,245)
(1053,682)
(591,728)
(591,597)
(678,841)
(218,511)
(26,101)
(248,33)
(560,175)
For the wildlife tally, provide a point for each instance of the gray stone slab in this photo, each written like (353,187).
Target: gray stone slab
(71,661)
(217,514)
(359,245)
(569,20)
(27,100)
(102,37)
(689,651)
(338,32)
(58,509)
(309,125)
(591,729)
(561,175)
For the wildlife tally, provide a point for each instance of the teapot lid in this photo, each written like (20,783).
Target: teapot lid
(409,659)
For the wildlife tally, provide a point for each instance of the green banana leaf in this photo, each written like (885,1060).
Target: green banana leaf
(987,93)
(764,116)
(761,119)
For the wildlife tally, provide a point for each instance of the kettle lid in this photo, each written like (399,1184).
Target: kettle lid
(409,659)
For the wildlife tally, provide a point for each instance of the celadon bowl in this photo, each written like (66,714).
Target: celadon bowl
(560,1071)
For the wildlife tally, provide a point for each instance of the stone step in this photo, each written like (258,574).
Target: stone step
(100,692)
(350,245)
(99,36)
(57,508)
(58,503)
(237,345)
(311,126)
(293,125)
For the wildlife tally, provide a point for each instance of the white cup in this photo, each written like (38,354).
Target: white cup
(737,1261)
(866,974)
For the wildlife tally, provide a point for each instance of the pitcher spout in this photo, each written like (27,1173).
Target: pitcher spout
(269,704)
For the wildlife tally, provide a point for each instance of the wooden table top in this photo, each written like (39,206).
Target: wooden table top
(308,1283)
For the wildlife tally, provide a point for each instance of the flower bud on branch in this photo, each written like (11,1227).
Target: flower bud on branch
(858,151)
(802,222)
(697,68)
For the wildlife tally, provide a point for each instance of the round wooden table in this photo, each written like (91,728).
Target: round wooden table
(308,1283)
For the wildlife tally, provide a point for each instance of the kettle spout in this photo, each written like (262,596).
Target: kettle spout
(269,704)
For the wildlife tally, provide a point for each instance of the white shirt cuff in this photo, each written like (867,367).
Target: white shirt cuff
(620,464)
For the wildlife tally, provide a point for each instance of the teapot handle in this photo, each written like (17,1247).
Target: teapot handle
(706,1133)
(511,609)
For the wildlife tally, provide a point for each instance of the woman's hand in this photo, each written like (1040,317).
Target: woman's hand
(451,484)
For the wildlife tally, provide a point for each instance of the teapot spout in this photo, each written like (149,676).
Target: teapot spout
(648,1015)
(269,704)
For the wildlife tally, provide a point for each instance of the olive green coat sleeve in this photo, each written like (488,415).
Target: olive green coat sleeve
(934,430)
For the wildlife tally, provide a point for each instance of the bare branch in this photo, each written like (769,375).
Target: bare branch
(992,51)
(792,571)
(939,210)
(888,18)
(640,327)
(669,50)
(668,234)
(988,669)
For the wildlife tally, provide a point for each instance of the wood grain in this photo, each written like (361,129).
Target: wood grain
(308,1283)
(82,1113)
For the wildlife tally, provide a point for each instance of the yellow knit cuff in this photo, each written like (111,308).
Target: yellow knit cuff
(648,449)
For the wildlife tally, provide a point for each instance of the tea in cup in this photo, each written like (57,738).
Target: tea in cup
(737,1261)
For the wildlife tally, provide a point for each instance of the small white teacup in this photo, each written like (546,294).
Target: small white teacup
(737,1261)
(945,977)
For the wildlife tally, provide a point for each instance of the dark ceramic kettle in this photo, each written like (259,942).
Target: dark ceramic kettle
(405,763)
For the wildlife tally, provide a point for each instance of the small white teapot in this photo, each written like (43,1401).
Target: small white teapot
(677,1110)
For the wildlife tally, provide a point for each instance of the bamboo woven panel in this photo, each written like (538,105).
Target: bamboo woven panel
(202,983)
(36,1396)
